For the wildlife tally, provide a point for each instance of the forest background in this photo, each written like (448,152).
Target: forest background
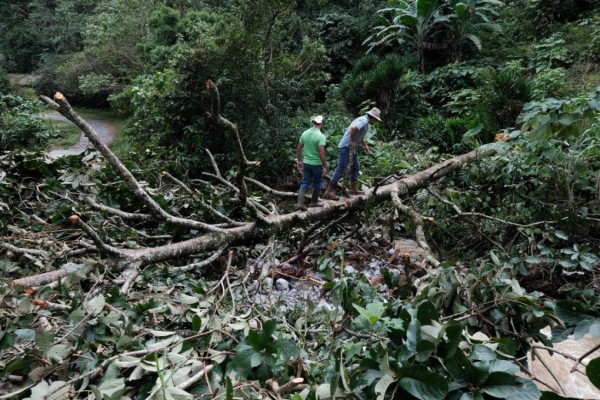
(512,238)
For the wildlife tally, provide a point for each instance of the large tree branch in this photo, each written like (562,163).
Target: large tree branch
(67,111)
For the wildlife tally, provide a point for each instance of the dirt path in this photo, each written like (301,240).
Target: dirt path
(106,132)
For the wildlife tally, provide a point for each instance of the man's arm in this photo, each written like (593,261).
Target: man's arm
(366,146)
(323,158)
(299,151)
(353,132)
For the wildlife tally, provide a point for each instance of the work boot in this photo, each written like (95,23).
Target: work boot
(300,205)
(314,201)
(330,192)
(354,189)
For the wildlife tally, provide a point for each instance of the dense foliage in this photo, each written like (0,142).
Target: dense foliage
(517,233)
(19,126)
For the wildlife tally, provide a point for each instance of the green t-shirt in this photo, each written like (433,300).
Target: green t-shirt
(312,139)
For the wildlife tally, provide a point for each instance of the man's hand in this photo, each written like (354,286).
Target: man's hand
(367,149)
(299,166)
(353,146)
(324,170)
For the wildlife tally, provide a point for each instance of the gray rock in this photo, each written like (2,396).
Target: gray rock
(349,269)
(282,284)
(268,284)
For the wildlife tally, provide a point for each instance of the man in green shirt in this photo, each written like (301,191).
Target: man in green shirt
(311,161)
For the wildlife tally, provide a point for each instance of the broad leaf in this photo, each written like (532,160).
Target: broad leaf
(593,372)
(506,386)
(382,385)
(427,312)
(424,385)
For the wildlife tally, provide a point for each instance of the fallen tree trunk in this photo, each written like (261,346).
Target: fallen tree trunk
(215,238)
(279,223)
(272,225)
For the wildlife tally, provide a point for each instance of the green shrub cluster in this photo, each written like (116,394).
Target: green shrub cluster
(20,127)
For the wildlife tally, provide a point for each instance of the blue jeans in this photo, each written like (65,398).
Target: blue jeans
(343,160)
(311,174)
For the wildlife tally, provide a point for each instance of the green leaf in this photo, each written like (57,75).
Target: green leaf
(483,353)
(593,372)
(532,260)
(95,305)
(427,312)
(506,386)
(495,259)
(504,366)
(424,385)
(25,334)
(44,340)
(561,235)
(413,335)
(373,312)
(424,349)
(572,312)
(244,361)
(110,387)
(464,372)
(196,323)
(228,389)
(383,384)
(454,334)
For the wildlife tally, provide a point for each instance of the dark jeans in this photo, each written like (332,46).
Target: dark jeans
(311,174)
(343,160)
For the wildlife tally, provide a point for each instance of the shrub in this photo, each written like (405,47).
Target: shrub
(20,126)
(445,134)
(503,94)
(550,53)
(5,86)
(549,83)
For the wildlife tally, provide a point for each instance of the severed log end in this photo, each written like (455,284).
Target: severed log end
(58,96)
(51,103)
(290,386)
(74,219)
(210,85)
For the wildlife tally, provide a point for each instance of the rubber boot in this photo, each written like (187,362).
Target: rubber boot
(300,205)
(330,192)
(354,189)
(314,201)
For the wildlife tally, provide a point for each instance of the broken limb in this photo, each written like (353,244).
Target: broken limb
(205,206)
(418,220)
(67,111)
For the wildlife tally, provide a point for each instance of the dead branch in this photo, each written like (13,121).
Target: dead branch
(130,276)
(19,250)
(67,111)
(418,221)
(460,213)
(47,277)
(584,355)
(196,377)
(200,264)
(119,213)
(270,190)
(287,387)
(205,206)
